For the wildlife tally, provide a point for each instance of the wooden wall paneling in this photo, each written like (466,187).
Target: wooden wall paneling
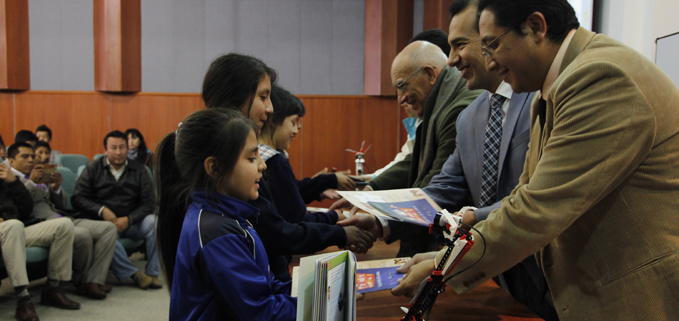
(333,124)
(117,45)
(154,114)
(15,70)
(7,117)
(436,15)
(388,28)
(79,120)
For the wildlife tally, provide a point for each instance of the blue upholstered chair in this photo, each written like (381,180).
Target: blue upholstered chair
(72,161)
(68,185)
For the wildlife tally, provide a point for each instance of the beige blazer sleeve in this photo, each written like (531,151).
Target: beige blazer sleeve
(599,128)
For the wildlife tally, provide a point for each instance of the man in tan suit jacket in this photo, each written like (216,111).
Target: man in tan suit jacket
(597,201)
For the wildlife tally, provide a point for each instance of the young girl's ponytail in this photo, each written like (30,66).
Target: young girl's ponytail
(171,190)
(179,169)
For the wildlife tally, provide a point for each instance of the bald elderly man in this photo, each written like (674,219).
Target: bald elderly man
(438,93)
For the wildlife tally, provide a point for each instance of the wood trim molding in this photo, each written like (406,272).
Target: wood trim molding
(436,15)
(15,72)
(388,28)
(117,45)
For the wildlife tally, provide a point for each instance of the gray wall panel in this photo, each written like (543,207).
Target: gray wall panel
(316,45)
(347,54)
(221,28)
(283,51)
(61,45)
(173,45)
(317,36)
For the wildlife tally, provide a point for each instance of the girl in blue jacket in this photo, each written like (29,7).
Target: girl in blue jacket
(221,270)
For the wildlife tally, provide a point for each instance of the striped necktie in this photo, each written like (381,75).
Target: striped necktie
(491,152)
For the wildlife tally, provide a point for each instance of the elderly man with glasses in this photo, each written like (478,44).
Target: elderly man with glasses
(437,93)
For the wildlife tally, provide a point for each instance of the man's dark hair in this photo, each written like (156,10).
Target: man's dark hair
(460,5)
(25,136)
(13,150)
(115,134)
(435,36)
(43,144)
(2,142)
(44,128)
(559,14)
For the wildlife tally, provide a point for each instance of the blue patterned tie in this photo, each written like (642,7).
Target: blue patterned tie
(491,152)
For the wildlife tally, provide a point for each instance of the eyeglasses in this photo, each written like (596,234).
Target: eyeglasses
(487,51)
(402,84)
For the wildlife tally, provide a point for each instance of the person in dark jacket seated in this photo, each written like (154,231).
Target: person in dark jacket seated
(137,147)
(119,190)
(16,204)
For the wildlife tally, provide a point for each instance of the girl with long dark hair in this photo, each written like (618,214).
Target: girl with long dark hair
(220,270)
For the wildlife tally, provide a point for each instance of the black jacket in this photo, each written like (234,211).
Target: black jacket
(131,196)
(15,201)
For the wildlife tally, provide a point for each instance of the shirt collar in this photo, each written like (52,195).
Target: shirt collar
(266,152)
(504,90)
(553,72)
(19,174)
(108,164)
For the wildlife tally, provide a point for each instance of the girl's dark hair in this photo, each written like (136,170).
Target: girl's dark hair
(217,132)
(142,150)
(284,104)
(232,79)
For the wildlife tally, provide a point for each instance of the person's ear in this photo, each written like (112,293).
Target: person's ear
(431,73)
(211,166)
(536,25)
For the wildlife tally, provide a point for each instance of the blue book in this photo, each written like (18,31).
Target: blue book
(419,212)
(377,279)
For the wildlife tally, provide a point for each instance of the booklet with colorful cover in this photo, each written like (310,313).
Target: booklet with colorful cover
(378,275)
(325,287)
(411,205)
(418,212)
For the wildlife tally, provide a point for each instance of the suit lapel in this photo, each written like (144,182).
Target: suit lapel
(516,105)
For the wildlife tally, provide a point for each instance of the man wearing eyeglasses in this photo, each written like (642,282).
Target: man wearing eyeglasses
(492,140)
(598,196)
(437,93)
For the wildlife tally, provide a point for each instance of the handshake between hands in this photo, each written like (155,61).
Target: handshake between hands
(363,229)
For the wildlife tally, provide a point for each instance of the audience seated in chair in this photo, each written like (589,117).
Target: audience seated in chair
(57,234)
(15,206)
(42,153)
(94,241)
(44,134)
(119,190)
(137,147)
